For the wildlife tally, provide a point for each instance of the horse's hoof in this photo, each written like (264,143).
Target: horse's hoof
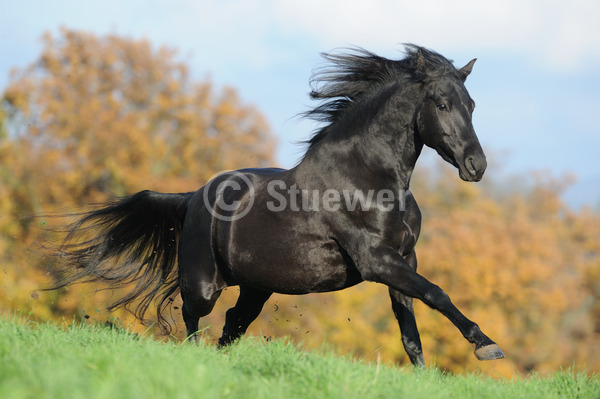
(193,339)
(489,352)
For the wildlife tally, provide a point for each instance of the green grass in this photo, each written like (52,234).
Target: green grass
(81,361)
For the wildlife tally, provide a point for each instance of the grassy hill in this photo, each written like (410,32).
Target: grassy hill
(47,361)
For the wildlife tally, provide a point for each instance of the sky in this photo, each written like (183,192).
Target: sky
(536,82)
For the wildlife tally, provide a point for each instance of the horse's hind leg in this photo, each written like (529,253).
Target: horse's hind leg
(404,312)
(200,285)
(194,307)
(246,310)
(199,278)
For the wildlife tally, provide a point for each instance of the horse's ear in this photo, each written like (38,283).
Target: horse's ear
(466,70)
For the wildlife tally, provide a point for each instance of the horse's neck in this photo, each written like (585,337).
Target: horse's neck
(386,148)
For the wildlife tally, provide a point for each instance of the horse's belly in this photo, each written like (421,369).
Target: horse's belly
(298,269)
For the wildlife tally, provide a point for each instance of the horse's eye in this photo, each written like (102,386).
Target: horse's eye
(442,107)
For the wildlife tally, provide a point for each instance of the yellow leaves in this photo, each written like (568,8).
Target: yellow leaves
(124,112)
(95,117)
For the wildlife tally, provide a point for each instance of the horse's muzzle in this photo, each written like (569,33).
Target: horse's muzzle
(473,167)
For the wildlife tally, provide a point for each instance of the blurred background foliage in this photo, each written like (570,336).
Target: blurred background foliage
(94,117)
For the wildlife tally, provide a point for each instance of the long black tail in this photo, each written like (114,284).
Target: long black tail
(131,240)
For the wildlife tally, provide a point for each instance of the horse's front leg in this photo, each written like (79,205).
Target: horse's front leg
(404,312)
(388,267)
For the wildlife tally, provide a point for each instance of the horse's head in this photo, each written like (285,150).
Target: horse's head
(444,122)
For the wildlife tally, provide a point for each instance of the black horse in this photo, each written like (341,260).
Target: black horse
(343,215)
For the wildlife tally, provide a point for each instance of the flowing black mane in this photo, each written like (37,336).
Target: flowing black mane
(353,75)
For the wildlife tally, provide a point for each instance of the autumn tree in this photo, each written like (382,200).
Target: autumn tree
(95,117)
(99,116)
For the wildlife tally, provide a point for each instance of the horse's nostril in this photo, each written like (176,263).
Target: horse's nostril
(470,165)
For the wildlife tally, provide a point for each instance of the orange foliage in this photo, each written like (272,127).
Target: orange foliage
(94,117)
(98,116)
